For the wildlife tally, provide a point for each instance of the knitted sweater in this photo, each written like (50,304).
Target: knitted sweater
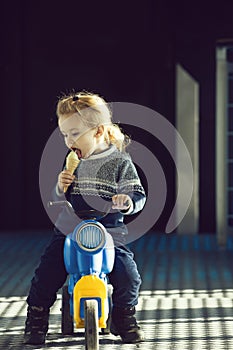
(97,179)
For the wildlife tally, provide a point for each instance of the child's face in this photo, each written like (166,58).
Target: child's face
(83,140)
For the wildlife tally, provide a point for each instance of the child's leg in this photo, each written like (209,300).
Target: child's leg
(125,278)
(49,277)
(126,282)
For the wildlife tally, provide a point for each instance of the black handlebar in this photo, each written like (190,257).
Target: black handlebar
(82,214)
(60,204)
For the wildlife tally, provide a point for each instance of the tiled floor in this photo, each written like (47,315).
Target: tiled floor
(186,299)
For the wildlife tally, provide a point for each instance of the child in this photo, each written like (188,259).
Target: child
(105,171)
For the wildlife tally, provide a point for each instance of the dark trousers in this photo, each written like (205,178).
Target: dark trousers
(51,275)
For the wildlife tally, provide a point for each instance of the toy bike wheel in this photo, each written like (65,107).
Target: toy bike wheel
(91,325)
(67,325)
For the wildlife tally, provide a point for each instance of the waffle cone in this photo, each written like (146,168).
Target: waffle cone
(71,164)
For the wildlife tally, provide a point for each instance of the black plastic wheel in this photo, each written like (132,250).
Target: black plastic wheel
(67,324)
(91,325)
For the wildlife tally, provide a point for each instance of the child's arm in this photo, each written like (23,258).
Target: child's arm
(129,185)
(64,179)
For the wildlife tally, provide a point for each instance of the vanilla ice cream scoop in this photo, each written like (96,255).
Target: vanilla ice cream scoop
(71,164)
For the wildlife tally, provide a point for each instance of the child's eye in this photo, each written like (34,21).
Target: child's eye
(74,135)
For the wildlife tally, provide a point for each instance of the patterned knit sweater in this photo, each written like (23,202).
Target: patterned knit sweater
(97,180)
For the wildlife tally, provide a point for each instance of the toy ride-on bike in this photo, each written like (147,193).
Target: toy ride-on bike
(89,257)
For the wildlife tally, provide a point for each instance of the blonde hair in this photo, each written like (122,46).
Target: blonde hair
(93,111)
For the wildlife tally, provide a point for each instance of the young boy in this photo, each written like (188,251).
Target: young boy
(107,172)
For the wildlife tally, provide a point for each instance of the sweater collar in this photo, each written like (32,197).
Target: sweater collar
(103,154)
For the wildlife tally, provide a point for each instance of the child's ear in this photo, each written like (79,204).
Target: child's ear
(100,131)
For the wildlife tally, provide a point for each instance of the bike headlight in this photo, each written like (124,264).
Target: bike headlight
(90,237)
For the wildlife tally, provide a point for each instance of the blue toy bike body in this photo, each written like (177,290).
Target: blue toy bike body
(89,257)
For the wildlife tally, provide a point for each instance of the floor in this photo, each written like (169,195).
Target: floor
(186,299)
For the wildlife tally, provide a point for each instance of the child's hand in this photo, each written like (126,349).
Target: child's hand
(121,202)
(65,179)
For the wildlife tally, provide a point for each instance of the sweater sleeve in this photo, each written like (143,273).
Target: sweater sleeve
(57,195)
(129,183)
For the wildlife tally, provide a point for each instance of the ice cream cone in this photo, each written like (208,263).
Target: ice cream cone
(71,164)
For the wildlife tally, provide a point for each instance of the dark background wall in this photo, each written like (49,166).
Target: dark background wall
(126,51)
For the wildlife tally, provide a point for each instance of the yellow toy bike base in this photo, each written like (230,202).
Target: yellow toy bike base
(90,287)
